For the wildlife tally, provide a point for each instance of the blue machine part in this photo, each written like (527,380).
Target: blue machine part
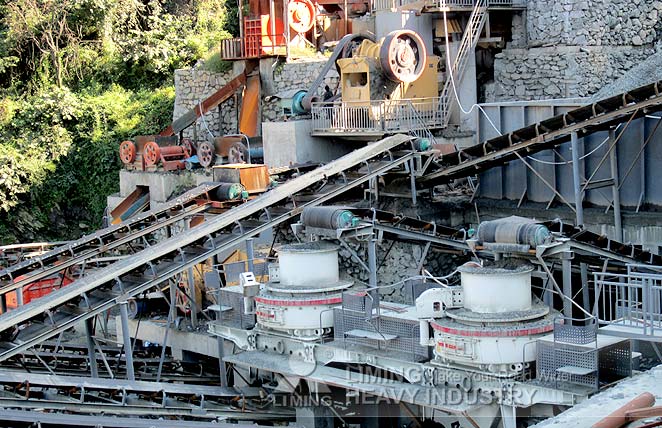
(297,107)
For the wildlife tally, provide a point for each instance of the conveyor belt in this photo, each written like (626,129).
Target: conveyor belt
(546,134)
(16,253)
(160,262)
(101,241)
(35,418)
(135,398)
(403,228)
(628,253)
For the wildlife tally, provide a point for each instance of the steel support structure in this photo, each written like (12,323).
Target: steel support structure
(89,333)
(171,257)
(577,181)
(126,339)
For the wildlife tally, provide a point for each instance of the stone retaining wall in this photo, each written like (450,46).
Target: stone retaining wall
(194,85)
(561,72)
(572,48)
(593,22)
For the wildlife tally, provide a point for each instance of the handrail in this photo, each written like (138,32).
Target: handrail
(379,5)
(385,116)
(469,40)
(630,300)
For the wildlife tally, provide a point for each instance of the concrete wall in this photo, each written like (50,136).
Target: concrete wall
(287,143)
(638,175)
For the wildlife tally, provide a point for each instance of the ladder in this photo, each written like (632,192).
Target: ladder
(467,45)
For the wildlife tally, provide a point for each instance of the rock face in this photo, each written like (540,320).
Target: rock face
(194,85)
(572,48)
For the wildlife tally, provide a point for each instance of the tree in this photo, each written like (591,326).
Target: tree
(42,32)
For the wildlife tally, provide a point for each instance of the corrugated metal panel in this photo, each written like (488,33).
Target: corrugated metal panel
(515,179)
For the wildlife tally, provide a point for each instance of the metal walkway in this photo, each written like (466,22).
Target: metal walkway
(93,294)
(546,134)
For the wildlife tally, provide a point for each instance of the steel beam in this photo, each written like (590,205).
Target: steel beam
(126,338)
(577,181)
(616,194)
(44,420)
(89,333)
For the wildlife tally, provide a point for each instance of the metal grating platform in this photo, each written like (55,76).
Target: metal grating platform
(386,333)
(235,317)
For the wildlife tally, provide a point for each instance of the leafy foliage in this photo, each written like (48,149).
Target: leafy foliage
(76,78)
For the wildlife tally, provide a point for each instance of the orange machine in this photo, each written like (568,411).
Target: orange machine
(38,289)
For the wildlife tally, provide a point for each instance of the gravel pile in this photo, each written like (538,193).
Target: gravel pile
(648,71)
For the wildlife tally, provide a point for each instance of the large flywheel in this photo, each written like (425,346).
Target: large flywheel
(402,56)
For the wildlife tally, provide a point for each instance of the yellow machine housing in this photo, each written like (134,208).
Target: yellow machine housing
(362,81)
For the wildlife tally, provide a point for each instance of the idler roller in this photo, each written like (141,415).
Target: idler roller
(513,231)
(402,56)
(329,217)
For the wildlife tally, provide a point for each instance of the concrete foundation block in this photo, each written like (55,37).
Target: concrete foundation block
(287,143)
(162,185)
(113,201)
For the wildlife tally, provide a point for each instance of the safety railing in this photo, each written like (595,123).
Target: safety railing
(387,116)
(380,5)
(632,300)
(447,4)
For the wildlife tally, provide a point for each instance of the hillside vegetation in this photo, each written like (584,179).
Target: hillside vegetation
(76,78)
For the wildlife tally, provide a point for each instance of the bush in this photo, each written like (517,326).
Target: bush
(76,78)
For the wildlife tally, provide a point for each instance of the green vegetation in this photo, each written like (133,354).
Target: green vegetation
(76,78)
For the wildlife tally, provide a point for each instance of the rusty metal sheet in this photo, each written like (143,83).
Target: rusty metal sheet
(255,178)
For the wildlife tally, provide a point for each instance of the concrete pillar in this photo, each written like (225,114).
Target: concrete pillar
(467,91)
(222,366)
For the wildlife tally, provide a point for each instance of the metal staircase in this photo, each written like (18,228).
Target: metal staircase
(467,45)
